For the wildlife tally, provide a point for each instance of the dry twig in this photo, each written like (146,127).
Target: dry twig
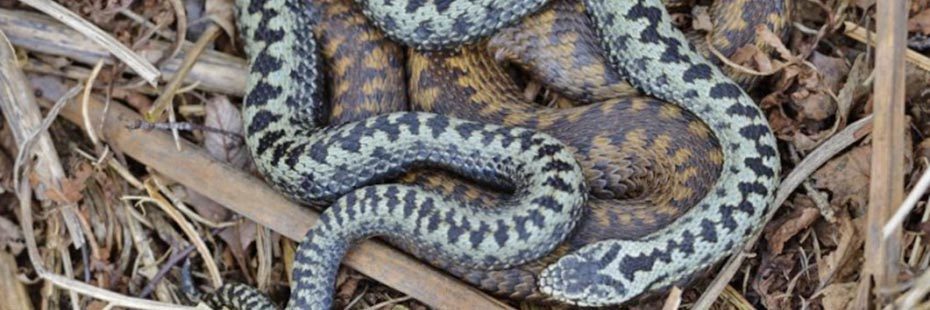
(801,172)
(134,61)
(887,164)
(252,198)
(214,71)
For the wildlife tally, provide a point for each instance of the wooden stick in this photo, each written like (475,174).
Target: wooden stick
(886,190)
(88,30)
(17,103)
(864,36)
(167,97)
(22,114)
(215,71)
(254,199)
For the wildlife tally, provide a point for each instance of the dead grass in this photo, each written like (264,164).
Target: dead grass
(101,209)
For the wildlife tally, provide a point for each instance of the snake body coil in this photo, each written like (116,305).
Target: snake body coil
(642,44)
(657,59)
(312,163)
(339,165)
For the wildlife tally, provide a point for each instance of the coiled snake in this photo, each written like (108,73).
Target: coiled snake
(311,163)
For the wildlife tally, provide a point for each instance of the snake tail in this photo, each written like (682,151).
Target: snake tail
(238,296)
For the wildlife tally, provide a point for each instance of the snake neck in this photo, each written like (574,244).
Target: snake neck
(642,44)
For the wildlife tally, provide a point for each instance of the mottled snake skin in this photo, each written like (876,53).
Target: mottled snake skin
(642,43)
(318,164)
(340,164)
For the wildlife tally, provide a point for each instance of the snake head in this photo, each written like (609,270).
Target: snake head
(580,279)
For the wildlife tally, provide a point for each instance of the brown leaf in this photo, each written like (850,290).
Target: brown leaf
(239,239)
(348,285)
(770,282)
(847,177)
(206,207)
(221,12)
(764,62)
(838,295)
(838,264)
(745,54)
(919,22)
(854,88)
(804,142)
(702,20)
(766,35)
(71,188)
(833,70)
(799,221)
(221,114)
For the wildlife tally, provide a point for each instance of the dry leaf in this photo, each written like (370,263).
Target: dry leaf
(702,19)
(72,188)
(799,221)
(838,264)
(348,285)
(853,88)
(766,35)
(919,22)
(770,282)
(206,207)
(221,12)
(811,105)
(239,239)
(763,61)
(745,54)
(221,114)
(833,70)
(838,295)
(847,177)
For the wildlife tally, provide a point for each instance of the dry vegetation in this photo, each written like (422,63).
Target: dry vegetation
(117,210)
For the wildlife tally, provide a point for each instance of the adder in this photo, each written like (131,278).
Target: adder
(284,94)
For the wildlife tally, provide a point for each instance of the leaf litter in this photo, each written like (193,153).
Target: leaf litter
(816,86)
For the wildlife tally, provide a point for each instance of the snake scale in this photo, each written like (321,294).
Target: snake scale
(341,165)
